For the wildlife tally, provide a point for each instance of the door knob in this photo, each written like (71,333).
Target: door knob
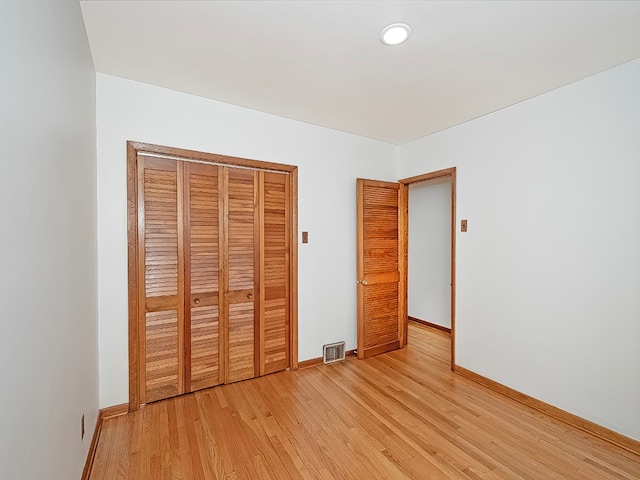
(364,282)
(196,300)
(249,296)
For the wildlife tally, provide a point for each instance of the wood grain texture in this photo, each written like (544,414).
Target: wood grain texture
(380,314)
(103,414)
(293,269)
(261,272)
(202,320)
(400,415)
(141,318)
(276,276)
(183,352)
(242,335)
(161,268)
(360,266)
(133,274)
(429,324)
(403,262)
(113,411)
(575,421)
(93,446)
(182,285)
(453,266)
(223,260)
(258,265)
(160,227)
(162,360)
(214,158)
(425,177)
(379,246)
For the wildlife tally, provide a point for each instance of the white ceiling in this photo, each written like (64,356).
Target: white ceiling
(321,61)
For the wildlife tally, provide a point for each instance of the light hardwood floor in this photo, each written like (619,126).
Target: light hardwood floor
(400,415)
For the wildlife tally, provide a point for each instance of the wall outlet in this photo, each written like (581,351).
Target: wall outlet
(82,428)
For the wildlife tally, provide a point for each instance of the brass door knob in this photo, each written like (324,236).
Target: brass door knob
(196,301)
(249,296)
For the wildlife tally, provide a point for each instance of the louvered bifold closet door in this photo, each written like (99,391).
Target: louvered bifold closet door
(212,274)
(203,326)
(161,321)
(275,212)
(241,251)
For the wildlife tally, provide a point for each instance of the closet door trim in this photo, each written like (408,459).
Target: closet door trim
(134,217)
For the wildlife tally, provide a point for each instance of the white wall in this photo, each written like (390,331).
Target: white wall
(429,285)
(48,287)
(328,161)
(548,275)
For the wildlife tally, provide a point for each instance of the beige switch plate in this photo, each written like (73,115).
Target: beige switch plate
(463,226)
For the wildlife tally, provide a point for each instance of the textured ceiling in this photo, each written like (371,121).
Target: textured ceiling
(321,61)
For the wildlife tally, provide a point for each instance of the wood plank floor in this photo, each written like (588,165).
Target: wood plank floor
(401,415)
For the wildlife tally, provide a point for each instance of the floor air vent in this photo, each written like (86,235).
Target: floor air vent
(334,352)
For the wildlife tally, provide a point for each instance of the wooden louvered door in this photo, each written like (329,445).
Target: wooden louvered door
(204,328)
(275,272)
(210,265)
(161,316)
(241,271)
(380,256)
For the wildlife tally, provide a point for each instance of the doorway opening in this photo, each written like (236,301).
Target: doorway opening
(430,272)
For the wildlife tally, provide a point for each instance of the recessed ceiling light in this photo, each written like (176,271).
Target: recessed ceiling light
(395,34)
